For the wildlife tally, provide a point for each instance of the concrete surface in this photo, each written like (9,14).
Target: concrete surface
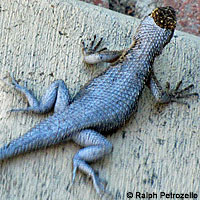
(154,152)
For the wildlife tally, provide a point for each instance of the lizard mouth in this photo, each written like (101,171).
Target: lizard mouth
(164,17)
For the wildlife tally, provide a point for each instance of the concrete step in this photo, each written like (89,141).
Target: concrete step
(154,152)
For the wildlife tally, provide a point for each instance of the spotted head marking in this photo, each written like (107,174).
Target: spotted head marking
(164,17)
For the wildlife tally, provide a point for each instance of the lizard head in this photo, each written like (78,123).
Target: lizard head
(164,17)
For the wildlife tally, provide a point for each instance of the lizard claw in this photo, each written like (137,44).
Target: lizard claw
(91,48)
(176,94)
(100,186)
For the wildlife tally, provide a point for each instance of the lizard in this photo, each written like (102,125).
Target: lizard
(105,103)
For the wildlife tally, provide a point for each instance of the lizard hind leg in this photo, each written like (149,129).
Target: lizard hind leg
(95,147)
(56,96)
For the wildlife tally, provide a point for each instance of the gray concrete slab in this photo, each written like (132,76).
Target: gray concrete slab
(154,152)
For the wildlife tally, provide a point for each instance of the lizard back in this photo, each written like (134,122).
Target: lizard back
(108,100)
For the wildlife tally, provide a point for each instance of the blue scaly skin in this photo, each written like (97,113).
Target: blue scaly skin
(105,103)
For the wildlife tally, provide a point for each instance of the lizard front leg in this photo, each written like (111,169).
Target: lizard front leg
(57,97)
(169,95)
(95,147)
(91,54)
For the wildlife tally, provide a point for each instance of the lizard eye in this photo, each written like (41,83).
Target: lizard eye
(165,17)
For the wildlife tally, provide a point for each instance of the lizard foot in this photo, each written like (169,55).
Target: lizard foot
(22,89)
(29,95)
(174,95)
(92,47)
(56,97)
(99,184)
(93,55)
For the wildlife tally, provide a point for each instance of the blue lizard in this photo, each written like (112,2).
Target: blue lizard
(106,102)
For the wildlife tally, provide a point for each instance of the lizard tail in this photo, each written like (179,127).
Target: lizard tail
(18,146)
(29,142)
(39,137)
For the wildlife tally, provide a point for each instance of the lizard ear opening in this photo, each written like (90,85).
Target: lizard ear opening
(164,17)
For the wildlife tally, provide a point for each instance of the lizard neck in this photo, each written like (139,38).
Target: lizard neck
(150,39)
